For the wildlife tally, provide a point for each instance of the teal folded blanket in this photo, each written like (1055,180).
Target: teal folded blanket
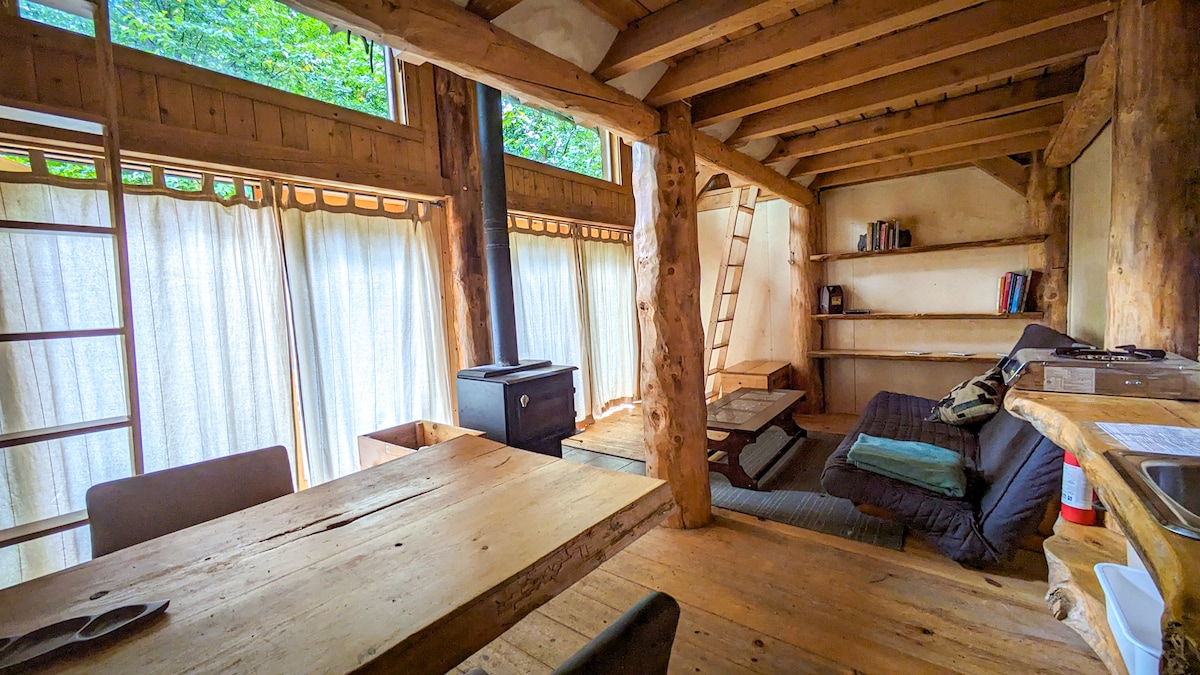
(921,464)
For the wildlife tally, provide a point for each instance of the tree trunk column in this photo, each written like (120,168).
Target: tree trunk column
(1048,207)
(667,260)
(804,240)
(1154,246)
(458,142)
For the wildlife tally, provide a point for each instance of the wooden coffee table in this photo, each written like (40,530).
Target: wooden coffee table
(743,416)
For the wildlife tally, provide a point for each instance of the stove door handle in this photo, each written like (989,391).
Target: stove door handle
(524,400)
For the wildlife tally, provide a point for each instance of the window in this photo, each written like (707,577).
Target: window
(553,139)
(261,41)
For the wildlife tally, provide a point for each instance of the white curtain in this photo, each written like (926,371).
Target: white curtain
(370,338)
(546,290)
(611,320)
(212,349)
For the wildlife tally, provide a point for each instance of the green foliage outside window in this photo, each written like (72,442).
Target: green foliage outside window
(262,41)
(552,139)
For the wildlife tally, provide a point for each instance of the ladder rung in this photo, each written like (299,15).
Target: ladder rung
(11,536)
(55,227)
(62,431)
(720,346)
(745,209)
(60,334)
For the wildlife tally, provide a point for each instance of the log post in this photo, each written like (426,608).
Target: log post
(804,237)
(667,258)
(1154,243)
(458,143)
(1048,207)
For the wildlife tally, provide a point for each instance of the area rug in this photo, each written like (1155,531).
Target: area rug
(792,492)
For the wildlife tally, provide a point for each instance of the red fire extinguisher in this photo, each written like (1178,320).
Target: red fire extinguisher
(1077,494)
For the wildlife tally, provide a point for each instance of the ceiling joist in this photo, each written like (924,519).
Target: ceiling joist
(900,90)
(1024,95)
(812,34)
(714,153)
(1090,111)
(490,9)
(937,161)
(987,25)
(1007,170)
(971,133)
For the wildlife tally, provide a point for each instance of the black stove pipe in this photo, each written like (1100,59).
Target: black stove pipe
(495,226)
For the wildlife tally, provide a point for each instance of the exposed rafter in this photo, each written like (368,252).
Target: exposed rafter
(976,68)
(1090,111)
(619,13)
(812,34)
(681,26)
(971,133)
(1023,95)
(987,25)
(717,154)
(490,9)
(1007,170)
(946,159)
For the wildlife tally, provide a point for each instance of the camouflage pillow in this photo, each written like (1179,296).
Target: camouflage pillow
(972,402)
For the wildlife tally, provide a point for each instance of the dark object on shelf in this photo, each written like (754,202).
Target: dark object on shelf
(40,645)
(858,311)
(832,300)
(1125,371)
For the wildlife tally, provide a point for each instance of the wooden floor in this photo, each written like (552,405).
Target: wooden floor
(763,597)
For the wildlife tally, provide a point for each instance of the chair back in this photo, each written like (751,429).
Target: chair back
(128,511)
(637,643)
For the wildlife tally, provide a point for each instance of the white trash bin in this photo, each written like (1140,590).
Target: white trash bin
(1135,609)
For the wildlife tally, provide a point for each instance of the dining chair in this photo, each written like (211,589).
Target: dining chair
(638,643)
(128,511)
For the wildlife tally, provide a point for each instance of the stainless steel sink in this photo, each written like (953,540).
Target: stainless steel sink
(1169,486)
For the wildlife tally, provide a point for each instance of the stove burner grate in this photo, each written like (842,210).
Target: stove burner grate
(1122,353)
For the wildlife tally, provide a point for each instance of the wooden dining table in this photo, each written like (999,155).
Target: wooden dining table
(407,567)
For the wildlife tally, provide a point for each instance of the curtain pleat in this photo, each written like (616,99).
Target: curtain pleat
(611,322)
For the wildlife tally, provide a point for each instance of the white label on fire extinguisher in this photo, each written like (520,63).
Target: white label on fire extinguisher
(1076,491)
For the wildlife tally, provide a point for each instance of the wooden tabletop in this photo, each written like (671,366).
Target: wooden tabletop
(1172,559)
(410,566)
(750,410)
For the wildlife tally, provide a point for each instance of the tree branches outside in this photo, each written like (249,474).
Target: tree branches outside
(552,139)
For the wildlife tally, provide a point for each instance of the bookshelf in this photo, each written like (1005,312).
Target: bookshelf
(1023,316)
(890,355)
(955,246)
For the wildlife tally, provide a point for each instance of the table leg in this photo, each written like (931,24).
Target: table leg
(732,468)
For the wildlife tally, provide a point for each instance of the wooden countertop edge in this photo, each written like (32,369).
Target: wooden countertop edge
(1173,560)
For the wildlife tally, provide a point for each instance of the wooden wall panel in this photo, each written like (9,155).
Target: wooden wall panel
(171,109)
(549,191)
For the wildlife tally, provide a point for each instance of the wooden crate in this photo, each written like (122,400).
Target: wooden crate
(755,375)
(385,445)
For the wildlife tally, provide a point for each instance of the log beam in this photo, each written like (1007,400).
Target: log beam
(490,9)
(1007,170)
(667,274)
(1048,207)
(450,36)
(459,148)
(1089,112)
(804,240)
(714,153)
(1154,243)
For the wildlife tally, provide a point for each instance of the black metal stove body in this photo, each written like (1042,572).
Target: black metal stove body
(524,404)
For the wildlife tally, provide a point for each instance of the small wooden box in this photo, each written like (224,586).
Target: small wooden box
(755,375)
(385,445)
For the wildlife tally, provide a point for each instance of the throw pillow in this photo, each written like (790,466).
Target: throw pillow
(972,402)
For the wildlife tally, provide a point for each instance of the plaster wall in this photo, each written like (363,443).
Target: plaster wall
(1091,208)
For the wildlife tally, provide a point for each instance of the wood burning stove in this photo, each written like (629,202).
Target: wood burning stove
(525,404)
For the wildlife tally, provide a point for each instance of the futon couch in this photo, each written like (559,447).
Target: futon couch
(1013,473)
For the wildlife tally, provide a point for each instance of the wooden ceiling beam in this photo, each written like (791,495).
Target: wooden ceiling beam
(812,34)
(1007,170)
(980,27)
(1090,111)
(1024,95)
(900,90)
(618,13)
(460,41)
(946,159)
(490,9)
(684,25)
(971,133)
(714,153)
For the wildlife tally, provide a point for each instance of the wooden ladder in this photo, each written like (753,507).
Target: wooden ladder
(729,283)
(104,127)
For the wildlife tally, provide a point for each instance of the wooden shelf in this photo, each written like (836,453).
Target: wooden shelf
(1026,316)
(901,356)
(987,243)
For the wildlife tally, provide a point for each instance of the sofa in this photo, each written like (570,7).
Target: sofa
(1014,472)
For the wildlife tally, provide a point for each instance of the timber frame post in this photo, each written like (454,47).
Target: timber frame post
(667,277)
(459,147)
(1154,241)
(804,239)
(1048,207)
